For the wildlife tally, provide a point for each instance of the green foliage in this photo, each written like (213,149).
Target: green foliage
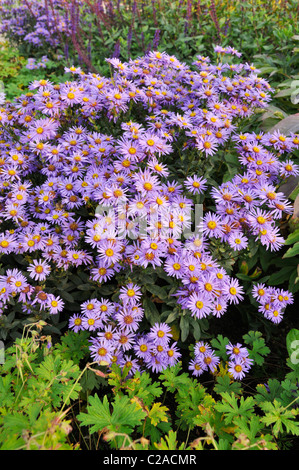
(16,77)
(257,348)
(36,383)
(124,417)
(223,416)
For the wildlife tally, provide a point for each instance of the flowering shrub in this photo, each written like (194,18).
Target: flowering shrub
(89,182)
(36,23)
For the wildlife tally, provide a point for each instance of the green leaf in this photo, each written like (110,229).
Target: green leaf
(269,393)
(284,93)
(184,327)
(287,125)
(123,418)
(173,380)
(293,251)
(225,384)
(160,292)
(150,311)
(169,443)
(258,347)
(280,276)
(232,409)
(281,418)
(292,238)
(158,413)
(219,343)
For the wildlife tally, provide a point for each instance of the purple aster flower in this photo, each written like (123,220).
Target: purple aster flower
(233,291)
(128,320)
(211,361)
(201,348)
(236,351)
(91,321)
(173,354)
(211,225)
(173,266)
(195,184)
(130,363)
(8,243)
(239,367)
(143,347)
(199,305)
(130,293)
(39,270)
(125,339)
(75,322)
(237,241)
(54,304)
(160,332)
(197,367)
(101,351)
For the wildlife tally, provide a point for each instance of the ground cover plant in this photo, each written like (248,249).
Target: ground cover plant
(145,257)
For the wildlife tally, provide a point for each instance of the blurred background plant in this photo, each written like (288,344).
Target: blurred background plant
(86,32)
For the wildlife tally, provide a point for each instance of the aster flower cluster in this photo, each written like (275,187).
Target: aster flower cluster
(205,359)
(32,64)
(14,284)
(272,301)
(83,185)
(250,204)
(36,23)
(117,337)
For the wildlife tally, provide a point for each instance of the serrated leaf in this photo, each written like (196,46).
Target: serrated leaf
(123,418)
(158,413)
(280,417)
(225,384)
(232,409)
(169,443)
(258,347)
(268,392)
(219,343)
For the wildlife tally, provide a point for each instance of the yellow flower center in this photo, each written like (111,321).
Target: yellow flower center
(261,220)
(102,351)
(211,224)
(109,252)
(39,269)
